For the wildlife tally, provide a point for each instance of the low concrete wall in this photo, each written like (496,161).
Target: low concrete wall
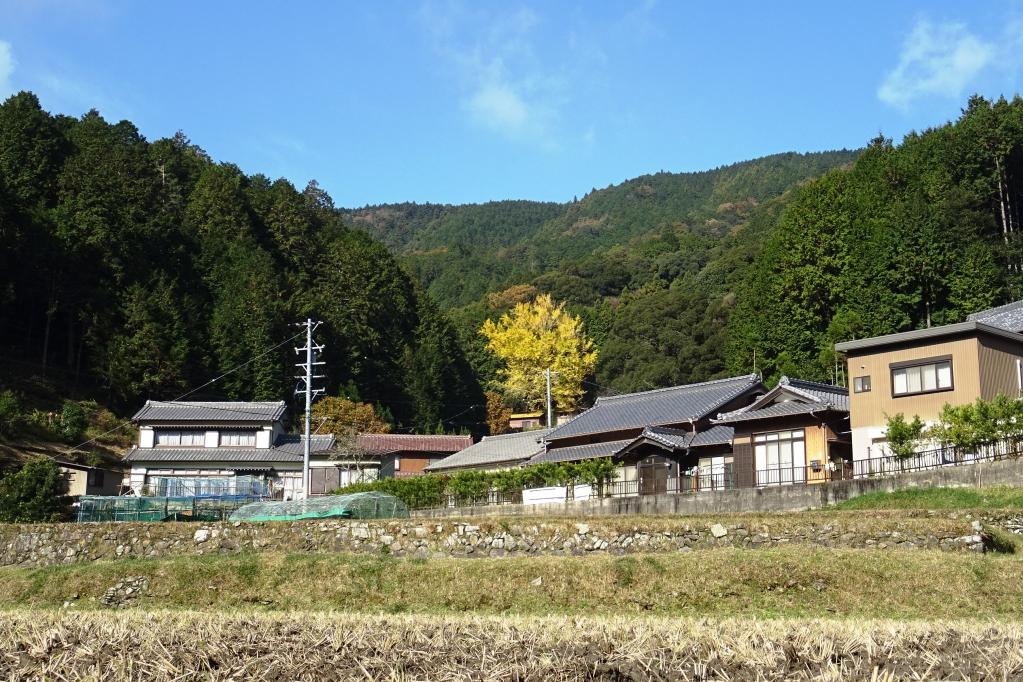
(773,499)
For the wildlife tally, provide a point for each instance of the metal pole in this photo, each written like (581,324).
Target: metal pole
(308,405)
(550,409)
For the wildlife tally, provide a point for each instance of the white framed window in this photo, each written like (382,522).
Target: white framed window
(238,438)
(179,438)
(924,377)
(780,457)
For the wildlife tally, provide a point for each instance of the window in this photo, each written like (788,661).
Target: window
(95,478)
(922,377)
(180,437)
(780,457)
(861,384)
(238,438)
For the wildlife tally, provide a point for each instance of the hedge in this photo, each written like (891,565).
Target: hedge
(433,490)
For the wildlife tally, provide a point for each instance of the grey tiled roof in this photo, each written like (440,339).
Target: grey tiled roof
(715,435)
(288,448)
(825,393)
(784,409)
(509,447)
(679,439)
(186,455)
(675,405)
(580,452)
(803,397)
(1008,316)
(293,443)
(189,411)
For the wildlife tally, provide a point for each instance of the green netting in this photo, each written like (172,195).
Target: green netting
(368,505)
(106,508)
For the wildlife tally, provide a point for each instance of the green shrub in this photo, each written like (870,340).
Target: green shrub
(72,422)
(431,490)
(10,412)
(37,492)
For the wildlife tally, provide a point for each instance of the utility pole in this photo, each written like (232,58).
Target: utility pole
(310,350)
(550,408)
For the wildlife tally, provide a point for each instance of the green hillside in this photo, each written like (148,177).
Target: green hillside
(650,263)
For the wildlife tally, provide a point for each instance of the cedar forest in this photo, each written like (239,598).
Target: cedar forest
(134,270)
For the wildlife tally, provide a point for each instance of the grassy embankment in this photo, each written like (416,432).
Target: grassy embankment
(785,582)
(988,499)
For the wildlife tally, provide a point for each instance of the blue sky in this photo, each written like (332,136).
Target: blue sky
(449,101)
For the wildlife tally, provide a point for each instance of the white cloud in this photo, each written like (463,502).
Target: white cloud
(7,64)
(505,87)
(498,106)
(941,60)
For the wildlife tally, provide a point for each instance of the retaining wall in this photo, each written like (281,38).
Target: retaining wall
(53,544)
(771,499)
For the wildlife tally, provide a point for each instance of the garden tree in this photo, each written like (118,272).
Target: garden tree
(346,419)
(972,426)
(36,492)
(903,436)
(498,414)
(536,336)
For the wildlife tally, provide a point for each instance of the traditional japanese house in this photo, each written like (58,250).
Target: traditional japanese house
(798,432)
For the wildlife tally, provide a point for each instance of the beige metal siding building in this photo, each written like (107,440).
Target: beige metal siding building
(917,373)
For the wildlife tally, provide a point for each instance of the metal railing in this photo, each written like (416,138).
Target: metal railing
(890,465)
(723,479)
(815,472)
(491,497)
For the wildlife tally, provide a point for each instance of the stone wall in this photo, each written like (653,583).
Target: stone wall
(52,544)
(770,499)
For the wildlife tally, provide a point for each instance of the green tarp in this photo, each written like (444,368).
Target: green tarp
(368,505)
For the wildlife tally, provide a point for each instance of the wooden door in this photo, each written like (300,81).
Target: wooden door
(653,475)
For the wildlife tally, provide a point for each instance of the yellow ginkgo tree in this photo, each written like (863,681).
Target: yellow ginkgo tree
(535,336)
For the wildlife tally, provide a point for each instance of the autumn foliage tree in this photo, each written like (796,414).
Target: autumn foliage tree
(346,419)
(535,336)
(498,414)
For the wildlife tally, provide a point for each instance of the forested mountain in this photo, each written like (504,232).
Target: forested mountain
(144,269)
(651,264)
(914,234)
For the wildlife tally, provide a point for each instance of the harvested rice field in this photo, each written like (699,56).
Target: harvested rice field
(165,646)
(790,582)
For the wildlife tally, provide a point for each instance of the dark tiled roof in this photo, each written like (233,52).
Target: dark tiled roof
(211,455)
(678,439)
(580,452)
(800,397)
(1008,316)
(293,443)
(188,411)
(384,443)
(506,448)
(675,405)
(787,408)
(715,435)
(288,448)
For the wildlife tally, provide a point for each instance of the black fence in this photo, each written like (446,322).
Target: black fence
(1010,448)
(722,478)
